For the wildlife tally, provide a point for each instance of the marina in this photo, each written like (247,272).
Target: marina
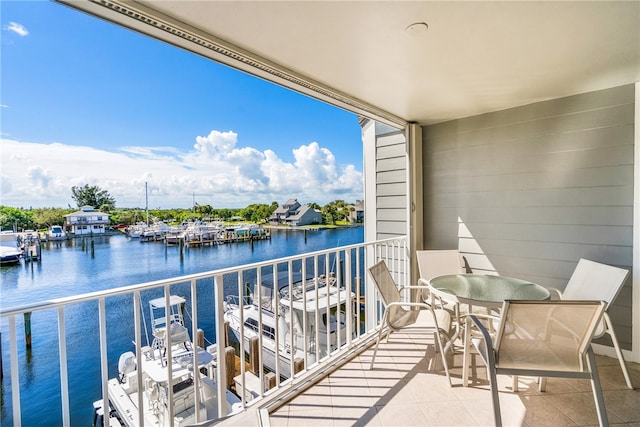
(313,307)
(84,265)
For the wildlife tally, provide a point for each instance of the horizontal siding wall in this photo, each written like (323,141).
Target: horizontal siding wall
(391,182)
(530,190)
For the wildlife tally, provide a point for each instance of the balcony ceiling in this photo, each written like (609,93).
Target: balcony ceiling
(475,57)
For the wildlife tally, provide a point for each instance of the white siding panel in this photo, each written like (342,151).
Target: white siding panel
(537,188)
(391,184)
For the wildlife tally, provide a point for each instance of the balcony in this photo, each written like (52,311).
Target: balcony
(101,326)
(335,388)
(402,390)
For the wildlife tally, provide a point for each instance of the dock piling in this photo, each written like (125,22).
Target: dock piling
(230,363)
(27,330)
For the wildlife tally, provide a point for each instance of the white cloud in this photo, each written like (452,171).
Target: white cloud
(19,29)
(215,172)
(216,143)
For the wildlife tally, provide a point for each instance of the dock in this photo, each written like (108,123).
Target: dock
(219,237)
(29,242)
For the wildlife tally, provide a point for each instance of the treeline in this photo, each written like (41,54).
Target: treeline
(41,218)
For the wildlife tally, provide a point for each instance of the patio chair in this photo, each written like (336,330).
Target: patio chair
(433,263)
(543,339)
(601,282)
(399,314)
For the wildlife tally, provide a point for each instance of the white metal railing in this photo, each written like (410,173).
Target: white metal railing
(356,318)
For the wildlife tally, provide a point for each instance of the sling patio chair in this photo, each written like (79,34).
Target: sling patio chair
(433,263)
(549,338)
(600,282)
(399,314)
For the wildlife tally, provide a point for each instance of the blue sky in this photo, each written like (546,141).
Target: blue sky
(87,102)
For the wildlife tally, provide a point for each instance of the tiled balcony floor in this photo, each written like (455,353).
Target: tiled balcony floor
(402,391)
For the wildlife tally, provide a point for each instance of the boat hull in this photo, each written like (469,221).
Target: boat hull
(9,256)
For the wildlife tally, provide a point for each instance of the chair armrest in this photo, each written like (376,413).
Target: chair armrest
(410,304)
(484,345)
(423,282)
(557,292)
(424,289)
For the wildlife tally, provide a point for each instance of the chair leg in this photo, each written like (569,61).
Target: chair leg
(466,357)
(493,383)
(597,389)
(443,356)
(542,386)
(375,350)
(616,346)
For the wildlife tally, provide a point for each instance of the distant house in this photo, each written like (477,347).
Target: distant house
(295,214)
(86,221)
(357,214)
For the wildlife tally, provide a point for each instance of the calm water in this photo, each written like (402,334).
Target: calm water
(69,268)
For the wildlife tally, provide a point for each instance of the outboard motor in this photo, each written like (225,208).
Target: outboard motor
(126,364)
(98,414)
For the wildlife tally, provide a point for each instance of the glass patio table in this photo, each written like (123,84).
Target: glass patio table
(488,291)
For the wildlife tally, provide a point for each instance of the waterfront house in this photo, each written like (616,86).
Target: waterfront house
(356,212)
(86,221)
(294,214)
(507,130)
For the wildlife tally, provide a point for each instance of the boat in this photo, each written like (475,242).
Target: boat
(123,391)
(10,252)
(56,233)
(155,231)
(136,230)
(9,256)
(317,304)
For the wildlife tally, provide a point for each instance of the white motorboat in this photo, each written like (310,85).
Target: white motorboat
(155,386)
(10,253)
(56,232)
(313,310)
(9,256)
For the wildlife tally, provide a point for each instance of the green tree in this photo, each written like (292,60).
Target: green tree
(257,212)
(338,210)
(225,214)
(46,217)
(329,214)
(93,196)
(16,219)
(206,210)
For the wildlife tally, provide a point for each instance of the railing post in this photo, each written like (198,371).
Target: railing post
(64,383)
(104,368)
(15,381)
(218,292)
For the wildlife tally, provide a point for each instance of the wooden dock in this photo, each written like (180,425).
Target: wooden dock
(219,239)
(29,243)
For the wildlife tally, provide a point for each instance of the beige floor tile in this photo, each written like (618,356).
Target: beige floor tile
(449,413)
(404,390)
(579,407)
(541,413)
(430,388)
(624,404)
(402,414)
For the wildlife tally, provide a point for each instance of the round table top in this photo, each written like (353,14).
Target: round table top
(488,290)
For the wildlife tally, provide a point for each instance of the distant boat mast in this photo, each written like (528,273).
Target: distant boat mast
(146,202)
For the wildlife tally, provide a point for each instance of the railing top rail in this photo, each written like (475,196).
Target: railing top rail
(124,290)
